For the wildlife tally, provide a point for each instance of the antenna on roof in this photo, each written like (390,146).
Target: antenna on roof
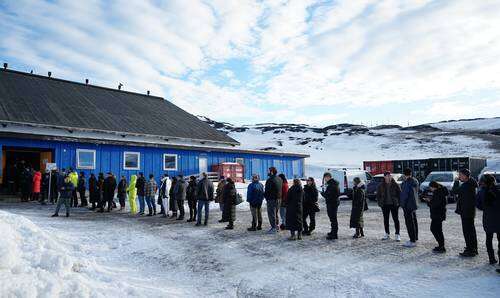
(148,92)
(86,81)
(49,74)
(120,86)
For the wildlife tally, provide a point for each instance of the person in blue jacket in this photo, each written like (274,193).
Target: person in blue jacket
(255,196)
(408,202)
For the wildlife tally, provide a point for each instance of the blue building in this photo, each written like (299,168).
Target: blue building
(96,129)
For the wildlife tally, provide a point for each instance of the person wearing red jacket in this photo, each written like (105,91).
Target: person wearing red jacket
(284,195)
(37,181)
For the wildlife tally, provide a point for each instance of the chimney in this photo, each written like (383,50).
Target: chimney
(5,65)
(148,92)
(86,81)
(49,74)
(120,86)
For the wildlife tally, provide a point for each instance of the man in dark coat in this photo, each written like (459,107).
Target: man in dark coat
(141,192)
(408,200)
(109,188)
(54,189)
(294,210)
(93,191)
(466,208)
(388,194)
(122,192)
(81,189)
(272,193)
(229,203)
(205,194)
(180,195)
(310,206)
(331,194)
(488,200)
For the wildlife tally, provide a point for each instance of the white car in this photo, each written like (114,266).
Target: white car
(447,179)
(345,178)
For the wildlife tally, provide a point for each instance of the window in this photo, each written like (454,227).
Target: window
(131,160)
(170,162)
(85,159)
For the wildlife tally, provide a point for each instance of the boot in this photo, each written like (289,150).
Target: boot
(205,223)
(230,226)
(361,232)
(55,215)
(259,226)
(67,214)
(357,234)
(299,235)
(252,228)
(491,255)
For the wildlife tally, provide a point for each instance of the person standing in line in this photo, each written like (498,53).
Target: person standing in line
(358,207)
(437,206)
(26,182)
(218,195)
(100,190)
(388,194)
(163,195)
(466,208)
(151,188)
(93,191)
(122,192)
(489,201)
(331,194)
(66,191)
(229,203)
(310,206)
(37,182)
(54,190)
(140,185)
(272,194)
(191,198)
(294,215)
(45,189)
(132,194)
(284,193)
(74,179)
(180,195)
(81,190)
(408,201)
(171,194)
(109,187)
(205,194)
(255,196)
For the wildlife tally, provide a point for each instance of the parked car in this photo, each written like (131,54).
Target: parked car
(445,178)
(345,176)
(372,186)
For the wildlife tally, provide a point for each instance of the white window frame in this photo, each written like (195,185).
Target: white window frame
(138,160)
(78,159)
(176,161)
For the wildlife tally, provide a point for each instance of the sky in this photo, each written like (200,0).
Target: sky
(245,62)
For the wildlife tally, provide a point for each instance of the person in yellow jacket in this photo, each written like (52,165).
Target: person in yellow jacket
(132,194)
(73,178)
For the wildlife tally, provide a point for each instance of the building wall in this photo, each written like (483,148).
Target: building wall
(110,158)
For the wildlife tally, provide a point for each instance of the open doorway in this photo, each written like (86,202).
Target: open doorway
(16,159)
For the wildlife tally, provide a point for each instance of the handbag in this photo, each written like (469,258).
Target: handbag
(239,199)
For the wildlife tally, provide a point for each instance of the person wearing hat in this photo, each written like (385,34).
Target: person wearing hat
(358,207)
(388,193)
(466,208)
(488,200)
(331,194)
(66,193)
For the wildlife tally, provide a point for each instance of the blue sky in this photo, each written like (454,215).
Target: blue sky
(314,62)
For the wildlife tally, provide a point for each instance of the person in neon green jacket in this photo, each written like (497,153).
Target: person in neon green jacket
(73,178)
(132,194)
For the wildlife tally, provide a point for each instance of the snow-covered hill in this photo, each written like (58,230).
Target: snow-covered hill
(349,145)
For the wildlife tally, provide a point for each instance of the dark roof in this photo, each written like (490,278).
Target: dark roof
(51,102)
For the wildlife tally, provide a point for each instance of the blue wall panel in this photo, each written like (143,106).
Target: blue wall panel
(110,158)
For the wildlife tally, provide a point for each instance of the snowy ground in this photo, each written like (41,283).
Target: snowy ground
(99,255)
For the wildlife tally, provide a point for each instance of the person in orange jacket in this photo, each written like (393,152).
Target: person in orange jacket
(37,181)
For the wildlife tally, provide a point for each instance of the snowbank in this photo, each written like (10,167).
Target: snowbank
(34,263)
(479,124)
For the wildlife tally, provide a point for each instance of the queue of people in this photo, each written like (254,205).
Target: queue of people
(291,208)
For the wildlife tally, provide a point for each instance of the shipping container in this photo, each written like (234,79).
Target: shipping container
(231,170)
(378,167)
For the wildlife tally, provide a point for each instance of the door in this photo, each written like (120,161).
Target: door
(203,164)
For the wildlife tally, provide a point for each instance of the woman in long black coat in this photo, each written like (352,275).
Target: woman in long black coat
(310,206)
(171,198)
(489,201)
(358,207)
(437,207)
(294,209)
(229,199)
